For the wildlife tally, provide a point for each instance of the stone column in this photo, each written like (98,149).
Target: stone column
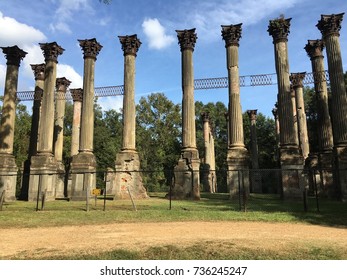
(187,181)
(209,167)
(294,114)
(297,82)
(226,115)
(58,139)
(330,26)
(128,178)
(77,97)
(83,165)
(8,166)
(237,157)
(314,49)
(277,124)
(43,167)
(255,174)
(39,73)
(291,159)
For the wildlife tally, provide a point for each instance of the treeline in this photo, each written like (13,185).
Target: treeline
(158,137)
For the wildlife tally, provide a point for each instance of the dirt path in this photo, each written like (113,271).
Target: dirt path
(50,241)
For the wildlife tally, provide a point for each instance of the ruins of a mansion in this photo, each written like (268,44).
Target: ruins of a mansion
(46,173)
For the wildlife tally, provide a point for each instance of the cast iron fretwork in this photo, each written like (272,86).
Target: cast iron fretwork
(199,84)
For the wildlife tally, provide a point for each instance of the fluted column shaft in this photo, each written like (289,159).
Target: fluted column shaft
(61,87)
(13,55)
(297,82)
(77,96)
(39,72)
(252,114)
(235,112)
(295,115)
(129,129)
(46,128)
(314,49)
(90,50)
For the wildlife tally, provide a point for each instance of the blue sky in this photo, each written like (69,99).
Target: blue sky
(158,64)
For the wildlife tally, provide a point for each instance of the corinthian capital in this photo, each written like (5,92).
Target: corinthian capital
(130,44)
(314,48)
(252,114)
(62,84)
(90,48)
(297,79)
(77,94)
(39,71)
(231,34)
(51,51)
(186,39)
(13,55)
(330,24)
(279,29)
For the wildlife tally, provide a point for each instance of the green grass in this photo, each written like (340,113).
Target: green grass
(211,207)
(212,251)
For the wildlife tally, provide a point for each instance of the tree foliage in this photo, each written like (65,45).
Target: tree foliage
(158,137)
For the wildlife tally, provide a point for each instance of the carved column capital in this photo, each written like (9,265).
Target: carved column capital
(14,55)
(51,51)
(130,44)
(252,114)
(231,34)
(186,39)
(297,79)
(90,48)
(205,116)
(314,48)
(279,29)
(330,24)
(77,94)
(39,71)
(62,84)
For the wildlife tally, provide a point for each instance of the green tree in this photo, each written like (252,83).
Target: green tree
(266,139)
(158,138)
(106,139)
(21,134)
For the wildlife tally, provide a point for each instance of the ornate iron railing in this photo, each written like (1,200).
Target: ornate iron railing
(199,84)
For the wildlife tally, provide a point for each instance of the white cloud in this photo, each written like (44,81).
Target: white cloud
(13,32)
(27,38)
(111,102)
(65,14)
(155,33)
(64,70)
(208,17)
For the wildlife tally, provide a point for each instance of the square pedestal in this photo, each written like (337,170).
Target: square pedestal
(238,172)
(43,173)
(83,175)
(8,177)
(127,178)
(187,176)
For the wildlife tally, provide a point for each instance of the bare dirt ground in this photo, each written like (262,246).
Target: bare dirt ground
(29,243)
